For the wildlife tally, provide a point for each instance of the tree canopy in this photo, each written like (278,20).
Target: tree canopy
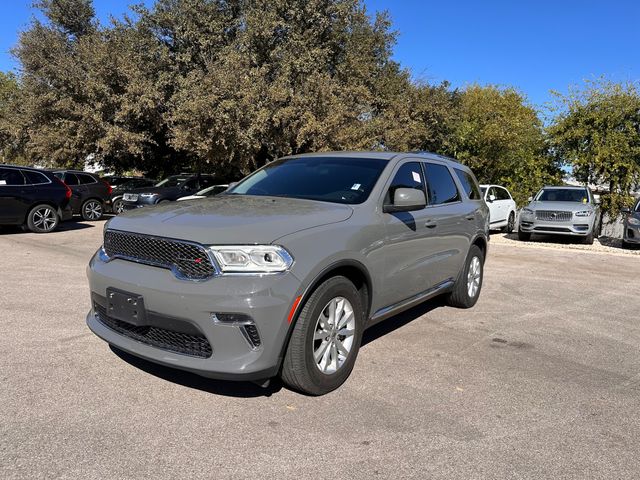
(228,85)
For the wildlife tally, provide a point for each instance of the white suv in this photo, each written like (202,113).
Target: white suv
(502,207)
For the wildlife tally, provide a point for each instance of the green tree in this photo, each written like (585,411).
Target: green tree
(597,132)
(501,139)
(10,138)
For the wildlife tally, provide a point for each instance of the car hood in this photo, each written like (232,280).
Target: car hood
(561,206)
(230,219)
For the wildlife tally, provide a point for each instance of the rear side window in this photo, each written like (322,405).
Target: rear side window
(503,194)
(10,176)
(468,184)
(442,188)
(408,176)
(71,179)
(35,178)
(83,178)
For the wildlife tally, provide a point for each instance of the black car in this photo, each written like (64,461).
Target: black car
(33,198)
(120,186)
(90,193)
(170,189)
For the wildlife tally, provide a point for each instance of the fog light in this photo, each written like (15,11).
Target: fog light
(244,322)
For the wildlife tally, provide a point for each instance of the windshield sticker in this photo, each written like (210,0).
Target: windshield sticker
(356,186)
(416,176)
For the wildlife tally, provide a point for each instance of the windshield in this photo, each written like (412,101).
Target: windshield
(578,195)
(327,179)
(172,181)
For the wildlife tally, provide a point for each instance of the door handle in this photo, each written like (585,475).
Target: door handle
(430,225)
(470,217)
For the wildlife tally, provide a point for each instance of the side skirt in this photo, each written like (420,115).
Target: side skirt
(406,304)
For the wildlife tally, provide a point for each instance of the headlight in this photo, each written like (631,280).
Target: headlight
(252,258)
(634,221)
(527,211)
(584,213)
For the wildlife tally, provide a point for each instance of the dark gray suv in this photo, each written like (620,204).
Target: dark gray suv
(281,274)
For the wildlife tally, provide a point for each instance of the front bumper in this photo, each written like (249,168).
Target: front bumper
(578,226)
(265,299)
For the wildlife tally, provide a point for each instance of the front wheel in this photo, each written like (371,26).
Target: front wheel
(118,206)
(467,288)
(510,223)
(524,236)
(326,338)
(42,219)
(92,210)
(588,240)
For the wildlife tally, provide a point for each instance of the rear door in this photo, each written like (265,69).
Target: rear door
(12,205)
(504,201)
(495,216)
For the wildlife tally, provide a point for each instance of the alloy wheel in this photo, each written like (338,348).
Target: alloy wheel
(44,219)
(333,335)
(473,277)
(93,210)
(119,207)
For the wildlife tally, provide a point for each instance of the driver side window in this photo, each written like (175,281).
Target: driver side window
(409,175)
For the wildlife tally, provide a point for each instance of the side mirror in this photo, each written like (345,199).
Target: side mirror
(492,198)
(406,200)
(530,199)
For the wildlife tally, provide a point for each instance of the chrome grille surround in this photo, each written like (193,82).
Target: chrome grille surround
(187,260)
(554,215)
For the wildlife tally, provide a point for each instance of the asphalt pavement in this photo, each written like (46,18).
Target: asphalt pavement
(540,380)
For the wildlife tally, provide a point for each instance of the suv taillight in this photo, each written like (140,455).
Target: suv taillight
(68,192)
(109,187)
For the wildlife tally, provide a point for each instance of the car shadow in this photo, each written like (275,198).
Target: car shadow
(191,380)
(67,226)
(391,324)
(250,389)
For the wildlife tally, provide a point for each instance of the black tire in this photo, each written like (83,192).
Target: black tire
(459,296)
(588,240)
(511,222)
(92,210)
(299,369)
(524,236)
(43,219)
(626,245)
(118,206)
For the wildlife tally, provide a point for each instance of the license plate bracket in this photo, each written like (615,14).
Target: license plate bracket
(126,307)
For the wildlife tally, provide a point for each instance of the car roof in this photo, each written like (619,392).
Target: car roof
(565,187)
(35,169)
(380,155)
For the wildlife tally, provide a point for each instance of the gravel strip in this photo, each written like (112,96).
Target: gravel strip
(606,245)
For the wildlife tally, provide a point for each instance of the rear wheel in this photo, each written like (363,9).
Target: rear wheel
(524,236)
(467,288)
(42,219)
(326,339)
(92,210)
(510,223)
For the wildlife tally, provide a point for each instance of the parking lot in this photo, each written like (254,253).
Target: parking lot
(540,379)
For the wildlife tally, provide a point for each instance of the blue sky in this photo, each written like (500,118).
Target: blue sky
(534,45)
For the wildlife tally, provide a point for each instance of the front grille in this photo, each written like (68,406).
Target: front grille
(554,216)
(187,260)
(177,342)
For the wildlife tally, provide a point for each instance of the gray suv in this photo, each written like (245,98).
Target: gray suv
(281,274)
(561,211)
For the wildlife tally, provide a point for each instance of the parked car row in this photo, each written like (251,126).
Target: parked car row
(39,199)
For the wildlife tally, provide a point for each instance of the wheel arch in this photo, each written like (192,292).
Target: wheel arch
(355,271)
